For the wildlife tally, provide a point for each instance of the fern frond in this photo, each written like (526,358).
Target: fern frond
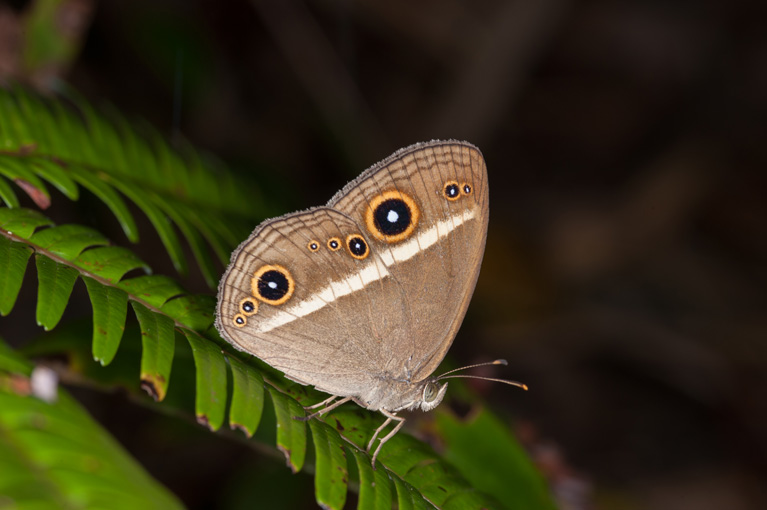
(13,261)
(331,468)
(110,310)
(49,142)
(210,390)
(247,402)
(65,253)
(73,146)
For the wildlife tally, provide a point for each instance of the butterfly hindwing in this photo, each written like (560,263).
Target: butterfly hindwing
(315,325)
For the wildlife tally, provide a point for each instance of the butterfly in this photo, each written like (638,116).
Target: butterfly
(362,298)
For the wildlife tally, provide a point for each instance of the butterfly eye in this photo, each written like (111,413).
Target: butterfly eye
(451,191)
(392,216)
(430,392)
(239,320)
(466,188)
(313,246)
(272,284)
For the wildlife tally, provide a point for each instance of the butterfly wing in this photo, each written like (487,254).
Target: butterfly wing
(371,288)
(436,262)
(292,296)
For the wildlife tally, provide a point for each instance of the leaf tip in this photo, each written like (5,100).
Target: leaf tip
(286,453)
(242,428)
(38,196)
(151,386)
(203,420)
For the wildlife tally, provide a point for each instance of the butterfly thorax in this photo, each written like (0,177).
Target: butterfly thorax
(398,395)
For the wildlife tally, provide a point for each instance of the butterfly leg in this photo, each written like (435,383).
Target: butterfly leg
(324,410)
(378,431)
(321,404)
(389,418)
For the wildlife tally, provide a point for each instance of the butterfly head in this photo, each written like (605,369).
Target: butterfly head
(433,393)
(430,392)
(425,396)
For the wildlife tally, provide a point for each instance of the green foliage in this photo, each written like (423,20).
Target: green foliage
(44,141)
(53,455)
(475,446)
(13,261)
(78,148)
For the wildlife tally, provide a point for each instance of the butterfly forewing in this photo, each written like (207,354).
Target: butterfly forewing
(437,264)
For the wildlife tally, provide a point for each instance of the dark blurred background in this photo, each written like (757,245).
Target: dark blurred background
(626,143)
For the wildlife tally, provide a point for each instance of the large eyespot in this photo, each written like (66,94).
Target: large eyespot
(272,284)
(239,320)
(313,246)
(248,306)
(392,216)
(334,244)
(466,188)
(451,191)
(430,392)
(357,246)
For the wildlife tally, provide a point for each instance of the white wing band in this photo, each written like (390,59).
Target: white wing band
(369,273)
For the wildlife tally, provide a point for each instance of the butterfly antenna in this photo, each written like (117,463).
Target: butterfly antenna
(496,362)
(447,375)
(504,381)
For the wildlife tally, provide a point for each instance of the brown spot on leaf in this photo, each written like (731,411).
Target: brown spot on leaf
(153,384)
(286,453)
(18,384)
(149,388)
(203,420)
(27,149)
(92,464)
(42,200)
(240,427)
(39,420)
(339,427)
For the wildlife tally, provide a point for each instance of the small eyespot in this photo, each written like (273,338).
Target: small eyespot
(272,284)
(357,246)
(451,191)
(313,246)
(392,216)
(248,306)
(239,320)
(466,188)
(334,244)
